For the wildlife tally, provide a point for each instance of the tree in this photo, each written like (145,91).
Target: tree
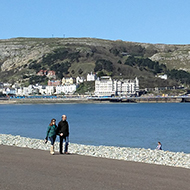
(103,64)
(145,63)
(100,74)
(38,79)
(180,76)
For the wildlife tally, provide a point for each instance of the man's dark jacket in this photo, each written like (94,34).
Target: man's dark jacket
(63,127)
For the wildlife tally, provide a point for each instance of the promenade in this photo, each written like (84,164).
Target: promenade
(154,99)
(29,169)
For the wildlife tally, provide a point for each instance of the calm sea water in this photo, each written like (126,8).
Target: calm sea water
(126,125)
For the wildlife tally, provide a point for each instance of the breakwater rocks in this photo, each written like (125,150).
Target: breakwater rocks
(176,159)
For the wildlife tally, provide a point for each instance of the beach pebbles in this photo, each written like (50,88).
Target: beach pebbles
(176,159)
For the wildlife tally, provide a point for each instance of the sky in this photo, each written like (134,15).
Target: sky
(145,21)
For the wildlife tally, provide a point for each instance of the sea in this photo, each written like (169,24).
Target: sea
(135,125)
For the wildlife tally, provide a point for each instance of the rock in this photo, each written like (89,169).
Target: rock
(176,159)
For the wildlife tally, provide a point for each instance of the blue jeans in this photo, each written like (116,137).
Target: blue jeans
(52,139)
(61,144)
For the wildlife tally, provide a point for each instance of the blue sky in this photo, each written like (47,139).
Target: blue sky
(149,21)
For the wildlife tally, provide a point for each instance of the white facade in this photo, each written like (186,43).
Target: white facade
(91,77)
(45,90)
(165,77)
(19,92)
(6,84)
(80,80)
(25,91)
(127,87)
(42,90)
(9,91)
(105,86)
(50,90)
(66,89)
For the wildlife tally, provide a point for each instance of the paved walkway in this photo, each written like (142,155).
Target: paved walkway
(28,169)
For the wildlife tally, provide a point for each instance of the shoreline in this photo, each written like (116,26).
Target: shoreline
(81,101)
(45,101)
(159,157)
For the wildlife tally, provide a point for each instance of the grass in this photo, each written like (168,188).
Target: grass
(102,50)
(85,67)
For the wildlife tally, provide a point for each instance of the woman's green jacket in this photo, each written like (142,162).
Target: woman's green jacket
(51,131)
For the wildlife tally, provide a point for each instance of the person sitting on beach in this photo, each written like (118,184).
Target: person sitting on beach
(51,133)
(63,132)
(159,147)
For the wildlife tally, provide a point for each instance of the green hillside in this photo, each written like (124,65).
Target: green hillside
(22,58)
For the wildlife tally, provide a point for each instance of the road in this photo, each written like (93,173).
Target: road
(28,169)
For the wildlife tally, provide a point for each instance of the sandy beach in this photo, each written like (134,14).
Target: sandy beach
(25,169)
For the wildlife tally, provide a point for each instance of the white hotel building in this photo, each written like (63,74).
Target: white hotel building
(105,86)
(66,89)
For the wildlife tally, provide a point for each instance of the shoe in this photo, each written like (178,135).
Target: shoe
(66,153)
(61,153)
(52,150)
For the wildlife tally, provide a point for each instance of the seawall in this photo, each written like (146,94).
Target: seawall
(160,157)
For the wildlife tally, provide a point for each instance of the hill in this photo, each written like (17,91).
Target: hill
(22,58)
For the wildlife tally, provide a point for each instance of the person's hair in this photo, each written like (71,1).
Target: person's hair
(159,142)
(64,116)
(51,124)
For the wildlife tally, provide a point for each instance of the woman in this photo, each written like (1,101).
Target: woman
(159,147)
(51,133)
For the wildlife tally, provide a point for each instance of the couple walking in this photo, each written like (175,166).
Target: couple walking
(62,130)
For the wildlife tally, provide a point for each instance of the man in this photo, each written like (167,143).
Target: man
(63,131)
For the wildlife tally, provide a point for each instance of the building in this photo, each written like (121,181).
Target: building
(165,77)
(80,80)
(9,91)
(67,81)
(49,74)
(66,89)
(26,91)
(6,84)
(42,90)
(91,77)
(127,87)
(40,73)
(1,85)
(54,82)
(49,90)
(105,86)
